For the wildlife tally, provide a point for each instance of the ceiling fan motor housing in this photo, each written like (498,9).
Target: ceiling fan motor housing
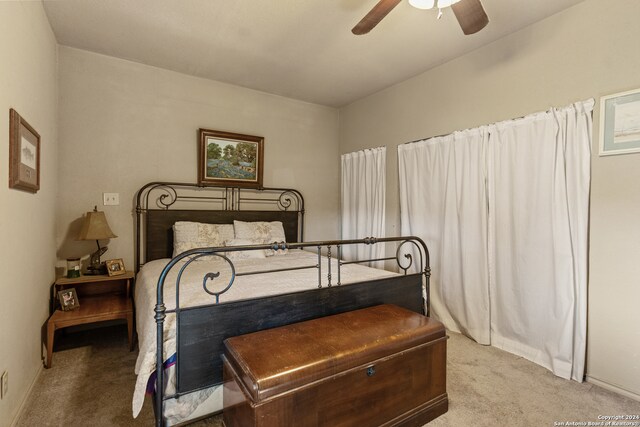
(469,13)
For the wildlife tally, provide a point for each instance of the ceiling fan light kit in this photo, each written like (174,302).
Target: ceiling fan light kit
(430,4)
(446,3)
(422,4)
(469,13)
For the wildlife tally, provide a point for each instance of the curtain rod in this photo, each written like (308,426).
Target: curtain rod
(589,101)
(423,139)
(365,149)
(450,133)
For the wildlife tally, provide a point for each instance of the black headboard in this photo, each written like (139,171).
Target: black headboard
(160,204)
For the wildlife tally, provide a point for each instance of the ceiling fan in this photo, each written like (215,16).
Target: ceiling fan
(469,13)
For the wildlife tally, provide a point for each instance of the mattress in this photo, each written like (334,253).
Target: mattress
(192,294)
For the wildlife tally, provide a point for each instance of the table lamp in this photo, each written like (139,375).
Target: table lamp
(95,227)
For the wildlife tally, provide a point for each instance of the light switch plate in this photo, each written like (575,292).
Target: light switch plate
(110,199)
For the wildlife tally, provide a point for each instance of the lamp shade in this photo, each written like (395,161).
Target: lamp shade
(95,227)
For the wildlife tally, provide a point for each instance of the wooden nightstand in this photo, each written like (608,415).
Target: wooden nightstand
(101,298)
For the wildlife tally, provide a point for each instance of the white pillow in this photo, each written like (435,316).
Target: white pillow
(190,235)
(266,232)
(244,254)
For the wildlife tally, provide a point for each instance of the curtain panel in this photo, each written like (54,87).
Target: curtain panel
(443,201)
(516,200)
(363,192)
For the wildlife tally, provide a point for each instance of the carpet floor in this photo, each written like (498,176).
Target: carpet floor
(91,383)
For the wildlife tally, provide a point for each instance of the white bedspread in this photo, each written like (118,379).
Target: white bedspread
(192,294)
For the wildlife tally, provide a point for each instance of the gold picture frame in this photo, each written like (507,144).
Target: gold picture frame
(68,299)
(230,159)
(24,154)
(115,267)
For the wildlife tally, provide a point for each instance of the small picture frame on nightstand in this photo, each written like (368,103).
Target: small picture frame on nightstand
(68,299)
(115,267)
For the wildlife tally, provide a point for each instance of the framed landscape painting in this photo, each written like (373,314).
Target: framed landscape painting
(24,154)
(620,123)
(230,159)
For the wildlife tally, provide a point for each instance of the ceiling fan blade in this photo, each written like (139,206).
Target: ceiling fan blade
(374,16)
(470,15)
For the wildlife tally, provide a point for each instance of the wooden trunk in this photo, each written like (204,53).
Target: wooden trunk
(382,365)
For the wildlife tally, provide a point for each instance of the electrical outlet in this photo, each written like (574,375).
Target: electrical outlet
(4,384)
(110,199)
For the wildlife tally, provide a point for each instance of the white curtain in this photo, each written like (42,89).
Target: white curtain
(443,201)
(538,181)
(363,201)
(534,203)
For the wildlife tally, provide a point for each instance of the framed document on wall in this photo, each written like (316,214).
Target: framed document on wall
(620,123)
(24,154)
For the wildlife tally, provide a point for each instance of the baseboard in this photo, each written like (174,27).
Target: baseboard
(26,397)
(613,388)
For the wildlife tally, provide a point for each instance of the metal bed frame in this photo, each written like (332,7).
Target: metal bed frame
(199,346)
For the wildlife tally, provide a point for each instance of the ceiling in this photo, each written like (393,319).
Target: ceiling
(301,49)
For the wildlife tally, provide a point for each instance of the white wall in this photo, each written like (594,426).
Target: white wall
(28,83)
(124,124)
(586,51)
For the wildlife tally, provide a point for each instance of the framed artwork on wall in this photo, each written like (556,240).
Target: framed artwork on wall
(230,159)
(24,154)
(620,123)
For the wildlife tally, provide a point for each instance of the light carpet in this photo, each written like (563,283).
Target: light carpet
(91,384)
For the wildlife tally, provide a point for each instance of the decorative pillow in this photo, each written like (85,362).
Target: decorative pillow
(190,235)
(266,232)
(233,256)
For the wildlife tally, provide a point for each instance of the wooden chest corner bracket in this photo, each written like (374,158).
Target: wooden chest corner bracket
(378,366)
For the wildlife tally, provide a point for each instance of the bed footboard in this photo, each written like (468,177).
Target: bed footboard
(201,330)
(202,345)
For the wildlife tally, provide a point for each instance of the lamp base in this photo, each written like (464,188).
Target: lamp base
(101,270)
(97,267)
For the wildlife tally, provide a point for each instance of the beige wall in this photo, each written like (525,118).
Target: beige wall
(28,83)
(587,51)
(123,124)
